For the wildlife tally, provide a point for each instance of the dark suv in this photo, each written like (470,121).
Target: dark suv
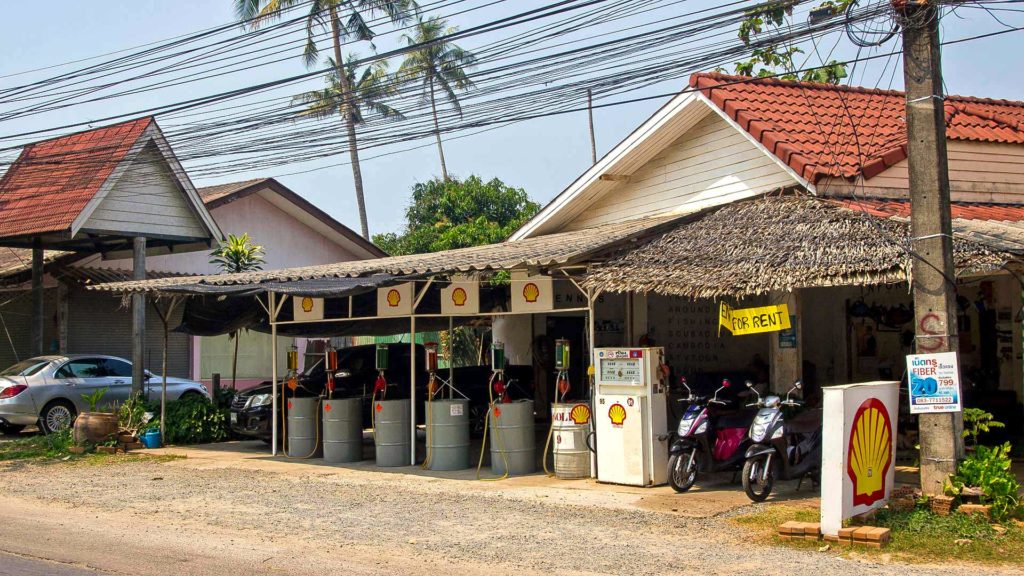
(356,376)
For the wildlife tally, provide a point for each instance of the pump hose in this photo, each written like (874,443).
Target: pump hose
(284,425)
(428,418)
(551,429)
(497,435)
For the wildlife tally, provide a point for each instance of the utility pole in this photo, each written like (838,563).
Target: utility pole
(590,116)
(933,274)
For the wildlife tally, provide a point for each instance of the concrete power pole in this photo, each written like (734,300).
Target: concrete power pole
(933,282)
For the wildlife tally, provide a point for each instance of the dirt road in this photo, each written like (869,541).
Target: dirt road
(266,517)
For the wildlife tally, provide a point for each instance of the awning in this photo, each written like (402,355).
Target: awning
(317,288)
(551,251)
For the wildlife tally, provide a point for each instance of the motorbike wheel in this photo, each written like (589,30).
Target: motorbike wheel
(679,477)
(756,483)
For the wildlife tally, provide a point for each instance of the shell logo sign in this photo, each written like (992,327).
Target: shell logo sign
(617,414)
(307,304)
(531,292)
(858,449)
(459,296)
(394,298)
(307,308)
(869,455)
(580,414)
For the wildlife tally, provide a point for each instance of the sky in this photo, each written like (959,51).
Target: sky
(543,156)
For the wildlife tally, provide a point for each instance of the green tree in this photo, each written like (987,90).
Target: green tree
(458,214)
(775,58)
(370,88)
(346,20)
(438,64)
(237,254)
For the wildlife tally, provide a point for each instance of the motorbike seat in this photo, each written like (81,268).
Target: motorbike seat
(805,422)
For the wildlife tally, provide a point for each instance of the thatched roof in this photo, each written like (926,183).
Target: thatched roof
(781,243)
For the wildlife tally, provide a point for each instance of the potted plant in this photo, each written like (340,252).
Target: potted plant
(95,426)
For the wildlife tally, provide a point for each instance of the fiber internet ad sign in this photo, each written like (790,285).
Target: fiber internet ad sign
(934,382)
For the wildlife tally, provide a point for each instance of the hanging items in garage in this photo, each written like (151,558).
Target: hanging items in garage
(630,412)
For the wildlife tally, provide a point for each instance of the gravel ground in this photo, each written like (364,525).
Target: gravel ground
(467,527)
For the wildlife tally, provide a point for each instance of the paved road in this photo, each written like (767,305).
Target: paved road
(22,566)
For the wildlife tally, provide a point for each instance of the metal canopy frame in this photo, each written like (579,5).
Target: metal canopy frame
(275,304)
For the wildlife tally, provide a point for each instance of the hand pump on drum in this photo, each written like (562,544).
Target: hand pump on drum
(292,382)
(562,387)
(495,385)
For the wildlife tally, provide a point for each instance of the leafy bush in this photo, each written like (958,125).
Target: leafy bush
(53,445)
(93,399)
(195,420)
(989,469)
(978,422)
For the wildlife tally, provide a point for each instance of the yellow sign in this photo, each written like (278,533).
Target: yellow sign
(753,320)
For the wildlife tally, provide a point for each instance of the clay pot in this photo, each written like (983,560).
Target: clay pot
(95,427)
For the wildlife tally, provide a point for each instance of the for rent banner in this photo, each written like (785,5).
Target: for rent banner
(743,321)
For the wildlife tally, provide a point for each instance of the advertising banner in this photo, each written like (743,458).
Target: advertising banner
(307,309)
(396,300)
(934,381)
(743,321)
(858,465)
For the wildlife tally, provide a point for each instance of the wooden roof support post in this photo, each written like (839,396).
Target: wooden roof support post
(138,316)
(786,360)
(37,297)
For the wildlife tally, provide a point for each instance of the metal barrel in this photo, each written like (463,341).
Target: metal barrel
(447,434)
(571,424)
(304,428)
(391,432)
(343,431)
(512,434)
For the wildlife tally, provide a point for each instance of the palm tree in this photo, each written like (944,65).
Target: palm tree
(324,13)
(367,89)
(438,64)
(236,255)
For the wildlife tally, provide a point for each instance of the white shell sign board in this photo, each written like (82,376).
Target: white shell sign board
(396,300)
(307,309)
(461,298)
(934,381)
(532,293)
(858,465)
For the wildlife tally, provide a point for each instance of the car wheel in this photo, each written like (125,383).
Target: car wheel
(57,416)
(10,429)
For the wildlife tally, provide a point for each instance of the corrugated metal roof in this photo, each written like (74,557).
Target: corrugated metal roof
(544,251)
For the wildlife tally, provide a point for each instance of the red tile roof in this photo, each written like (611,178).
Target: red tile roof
(52,181)
(823,130)
(961,210)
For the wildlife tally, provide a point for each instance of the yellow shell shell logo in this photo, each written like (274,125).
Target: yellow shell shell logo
(580,414)
(869,455)
(394,297)
(617,414)
(307,304)
(531,292)
(459,297)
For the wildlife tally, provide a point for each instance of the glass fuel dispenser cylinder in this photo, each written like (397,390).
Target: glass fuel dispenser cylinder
(382,357)
(293,358)
(561,354)
(430,348)
(497,356)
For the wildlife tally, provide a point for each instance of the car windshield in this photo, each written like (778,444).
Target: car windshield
(26,367)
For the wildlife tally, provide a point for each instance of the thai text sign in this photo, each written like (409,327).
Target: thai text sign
(858,450)
(934,381)
(743,321)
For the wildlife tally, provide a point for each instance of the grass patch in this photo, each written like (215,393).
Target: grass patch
(55,448)
(917,536)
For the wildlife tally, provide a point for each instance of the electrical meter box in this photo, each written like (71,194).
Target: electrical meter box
(630,415)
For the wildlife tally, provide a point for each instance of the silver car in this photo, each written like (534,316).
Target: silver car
(48,389)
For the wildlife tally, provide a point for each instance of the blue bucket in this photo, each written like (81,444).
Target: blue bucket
(151,439)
